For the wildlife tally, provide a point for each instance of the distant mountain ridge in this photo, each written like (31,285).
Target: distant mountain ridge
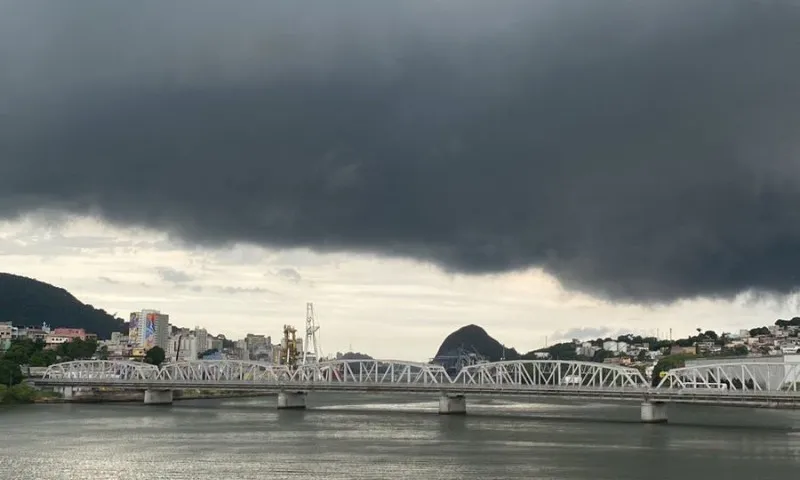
(26,302)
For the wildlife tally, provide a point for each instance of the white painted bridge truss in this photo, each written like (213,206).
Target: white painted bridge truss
(735,376)
(511,375)
(102,370)
(333,372)
(522,374)
(551,373)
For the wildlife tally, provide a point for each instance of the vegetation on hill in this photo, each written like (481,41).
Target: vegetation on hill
(353,356)
(473,338)
(794,322)
(28,302)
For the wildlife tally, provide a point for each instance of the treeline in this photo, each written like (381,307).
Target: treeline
(794,322)
(34,354)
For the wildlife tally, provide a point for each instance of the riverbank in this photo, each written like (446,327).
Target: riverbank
(138,396)
(24,393)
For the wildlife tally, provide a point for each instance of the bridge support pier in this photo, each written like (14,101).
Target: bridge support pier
(66,392)
(450,404)
(654,412)
(291,400)
(158,397)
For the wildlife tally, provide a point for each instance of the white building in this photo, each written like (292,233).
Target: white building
(241,350)
(611,346)
(6,330)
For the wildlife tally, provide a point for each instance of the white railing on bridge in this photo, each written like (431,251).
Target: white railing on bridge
(377,372)
(522,374)
(100,369)
(560,373)
(337,371)
(735,377)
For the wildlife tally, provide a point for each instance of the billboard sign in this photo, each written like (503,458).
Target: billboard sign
(149,331)
(134,328)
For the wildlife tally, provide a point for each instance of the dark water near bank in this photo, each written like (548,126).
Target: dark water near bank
(379,437)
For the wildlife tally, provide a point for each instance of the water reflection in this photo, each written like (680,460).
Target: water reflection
(360,437)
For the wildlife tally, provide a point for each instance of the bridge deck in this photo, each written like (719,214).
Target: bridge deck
(719,398)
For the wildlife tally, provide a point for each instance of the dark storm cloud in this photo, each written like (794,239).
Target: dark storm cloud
(642,151)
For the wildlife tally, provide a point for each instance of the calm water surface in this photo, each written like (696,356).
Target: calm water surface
(379,437)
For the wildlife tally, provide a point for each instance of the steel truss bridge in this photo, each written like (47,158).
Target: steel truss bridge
(744,384)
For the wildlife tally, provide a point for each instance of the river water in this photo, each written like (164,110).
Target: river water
(383,437)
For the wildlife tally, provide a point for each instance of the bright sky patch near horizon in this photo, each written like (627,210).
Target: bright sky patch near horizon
(383,307)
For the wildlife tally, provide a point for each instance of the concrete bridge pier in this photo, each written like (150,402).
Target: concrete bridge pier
(158,397)
(291,400)
(450,404)
(654,412)
(66,392)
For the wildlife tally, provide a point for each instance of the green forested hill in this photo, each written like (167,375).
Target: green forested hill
(25,301)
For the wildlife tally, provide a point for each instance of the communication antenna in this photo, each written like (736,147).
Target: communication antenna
(310,342)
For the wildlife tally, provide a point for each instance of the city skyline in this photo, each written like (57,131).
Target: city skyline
(382,307)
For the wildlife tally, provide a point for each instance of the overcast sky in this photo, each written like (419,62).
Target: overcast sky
(531,166)
(387,308)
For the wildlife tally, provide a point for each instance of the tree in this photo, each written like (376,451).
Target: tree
(710,335)
(786,323)
(43,358)
(600,355)
(155,356)
(10,373)
(668,363)
(741,350)
(642,356)
(20,351)
(102,353)
(77,349)
(210,351)
(754,332)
